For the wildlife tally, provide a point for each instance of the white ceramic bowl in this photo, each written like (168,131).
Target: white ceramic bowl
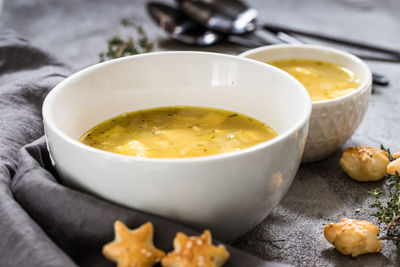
(332,121)
(227,193)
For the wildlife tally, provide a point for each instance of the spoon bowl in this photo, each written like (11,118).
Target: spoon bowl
(225,16)
(180,27)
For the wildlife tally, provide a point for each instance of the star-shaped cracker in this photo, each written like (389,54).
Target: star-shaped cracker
(133,248)
(195,251)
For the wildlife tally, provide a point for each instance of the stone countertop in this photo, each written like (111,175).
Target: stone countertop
(77,31)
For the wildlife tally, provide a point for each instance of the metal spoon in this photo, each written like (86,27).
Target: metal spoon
(185,30)
(235,17)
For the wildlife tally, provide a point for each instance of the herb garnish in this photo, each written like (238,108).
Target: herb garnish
(388,151)
(137,43)
(388,213)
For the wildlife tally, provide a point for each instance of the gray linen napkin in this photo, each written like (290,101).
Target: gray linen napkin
(42,222)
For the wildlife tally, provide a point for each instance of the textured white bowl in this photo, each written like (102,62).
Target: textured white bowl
(227,193)
(332,121)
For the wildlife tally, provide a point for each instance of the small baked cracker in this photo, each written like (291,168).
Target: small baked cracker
(365,163)
(195,251)
(133,247)
(353,237)
(396,154)
(393,167)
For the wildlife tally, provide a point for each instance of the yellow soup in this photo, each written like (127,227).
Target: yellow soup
(177,132)
(323,80)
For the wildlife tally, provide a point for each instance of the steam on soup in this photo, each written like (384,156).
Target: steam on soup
(177,132)
(323,80)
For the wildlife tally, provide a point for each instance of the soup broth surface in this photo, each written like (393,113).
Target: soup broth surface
(177,132)
(323,80)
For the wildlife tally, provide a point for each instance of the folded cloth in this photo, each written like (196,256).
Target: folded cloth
(42,222)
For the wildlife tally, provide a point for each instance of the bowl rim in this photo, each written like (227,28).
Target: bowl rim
(49,122)
(364,85)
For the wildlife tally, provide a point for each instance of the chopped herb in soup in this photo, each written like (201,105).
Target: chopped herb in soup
(177,132)
(323,80)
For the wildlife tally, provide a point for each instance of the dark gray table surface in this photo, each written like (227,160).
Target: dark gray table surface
(76,31)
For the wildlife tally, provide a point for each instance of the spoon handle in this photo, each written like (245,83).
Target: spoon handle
(243,41)
(276,28)
(380,79)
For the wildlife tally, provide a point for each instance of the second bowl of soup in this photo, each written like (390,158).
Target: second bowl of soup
(339,85)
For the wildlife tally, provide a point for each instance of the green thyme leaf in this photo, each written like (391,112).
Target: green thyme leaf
(136,43)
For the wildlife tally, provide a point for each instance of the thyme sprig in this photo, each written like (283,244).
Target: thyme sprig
(388,213)
(388,151)
(137,43)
